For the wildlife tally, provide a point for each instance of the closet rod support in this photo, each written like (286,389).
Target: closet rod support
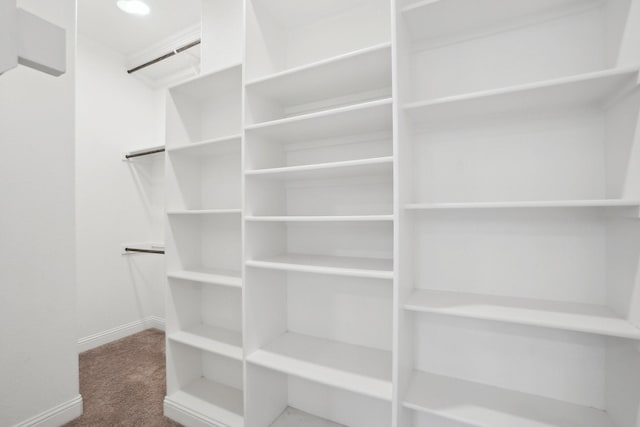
(165,56)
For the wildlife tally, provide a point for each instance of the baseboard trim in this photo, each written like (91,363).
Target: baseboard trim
(105,337)
(185,416)
(57,415)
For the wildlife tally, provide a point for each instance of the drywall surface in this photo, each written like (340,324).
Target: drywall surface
(38,360)
(117,202)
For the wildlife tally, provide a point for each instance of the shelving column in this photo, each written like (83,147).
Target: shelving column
(318,213)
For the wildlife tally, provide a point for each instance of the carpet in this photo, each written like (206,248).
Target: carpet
(123,383)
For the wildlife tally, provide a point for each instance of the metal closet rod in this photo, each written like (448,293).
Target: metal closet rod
(165,56)
(145,251)
(144,153)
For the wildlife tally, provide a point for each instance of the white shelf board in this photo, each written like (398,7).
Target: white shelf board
(205,212)
(209,276)
(375,268)
(209,147)
(347,168)
(209,84)
(325,218)
(358,369)
(292,417)
(364,70)
(594,319)
(487,406)
(592,88)
(224,342)
(367,117)
(199,397)
(443,19)
(603,203)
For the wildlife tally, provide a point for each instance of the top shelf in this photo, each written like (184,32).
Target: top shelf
(355,72)
(437,20)
(592,88)
(207,85)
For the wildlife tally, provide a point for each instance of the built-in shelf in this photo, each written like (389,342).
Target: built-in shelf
(324,218)
(213,277)
(604,203)
(210,147)
(333,265)
(591,88)
(362,370)
(367,117)
(224,342)
(292,417)
(487,406)
(216,403)
(594,319)
(364,70)
(437,20)
(348,168)
(205,212)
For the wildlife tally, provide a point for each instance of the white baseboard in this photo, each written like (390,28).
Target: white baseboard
(56,416)
(105,337)
(186,416)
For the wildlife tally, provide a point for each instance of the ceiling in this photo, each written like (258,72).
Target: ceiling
(102,21)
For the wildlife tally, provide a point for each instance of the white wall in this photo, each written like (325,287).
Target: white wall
(38,360)
(117,202)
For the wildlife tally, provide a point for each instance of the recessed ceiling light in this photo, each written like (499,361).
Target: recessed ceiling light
(134,7)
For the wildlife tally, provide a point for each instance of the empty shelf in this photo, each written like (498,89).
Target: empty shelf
(211,147)
(347,168)
(341,266)
(214,277)
(324,218)
(436,20)
(587,318)
(592,88)
(224,342)
(205,212)
(212,401)
(350,367)
(368,117)
(526,204)
(361,71)
(292,417)
(487,406)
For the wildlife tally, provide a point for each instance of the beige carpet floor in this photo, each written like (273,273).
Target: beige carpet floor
(123,383)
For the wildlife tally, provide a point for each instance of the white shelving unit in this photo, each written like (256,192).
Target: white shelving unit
(398,213)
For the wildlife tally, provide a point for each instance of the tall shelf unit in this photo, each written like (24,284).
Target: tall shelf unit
(407,214)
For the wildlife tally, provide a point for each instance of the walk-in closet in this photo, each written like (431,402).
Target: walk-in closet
(320,213)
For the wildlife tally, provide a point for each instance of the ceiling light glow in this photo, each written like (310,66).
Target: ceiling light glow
(134,7)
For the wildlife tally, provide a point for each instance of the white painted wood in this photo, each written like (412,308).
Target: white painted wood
(548,314)
(358,369)
(211,276)
(527,204)
(332,265)
(366,117)
(589,89)
(292,417)
(346,168)
(483,406)
(212,402)
(354,77)
(326,218)
(221,341)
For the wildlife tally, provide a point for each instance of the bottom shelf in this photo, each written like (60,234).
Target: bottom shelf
(292,417)
(488,406)
(208,400)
